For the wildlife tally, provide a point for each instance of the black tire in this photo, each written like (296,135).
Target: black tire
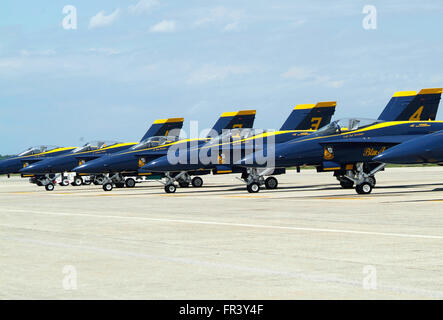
(107,186)
(38,182)
(170,188)
(364,188)
(49,187)
(347,184)
(87,182)
(78,181)
(183,184)
(253,187)
(271,183)
(120,185)
(372,180)
(64,183)
(130,183)
(197,182)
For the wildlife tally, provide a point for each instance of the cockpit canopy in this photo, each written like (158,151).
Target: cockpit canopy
(35,150)
(233,135)
(344,125)
(94,145)
(155,141)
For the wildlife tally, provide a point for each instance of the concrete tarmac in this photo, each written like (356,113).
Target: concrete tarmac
(309,239)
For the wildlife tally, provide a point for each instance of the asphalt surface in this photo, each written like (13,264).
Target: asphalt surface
(309,239)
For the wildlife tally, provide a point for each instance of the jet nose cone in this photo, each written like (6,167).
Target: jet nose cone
(394,156)
(158,165)
(86,168)
(33,168)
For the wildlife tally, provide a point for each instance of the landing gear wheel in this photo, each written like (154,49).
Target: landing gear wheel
(347,184)
(64,183)
(372,180)
(130,183)
(183,184)
(271,183)
(98,180)
(253,187)
(87,182)
(170,188)
(39,183)
(364,188)
(197,182)
(120,185)
(49,186)
(107,186)
(77,181)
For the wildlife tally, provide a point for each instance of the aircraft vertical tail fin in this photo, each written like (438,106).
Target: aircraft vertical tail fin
(239,119)
(410,106)
(310,116)
(164,127)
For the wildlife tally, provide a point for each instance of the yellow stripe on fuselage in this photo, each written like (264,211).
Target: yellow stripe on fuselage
(165,145)
(262,135)
(118,145)
(46,152)
(373,127)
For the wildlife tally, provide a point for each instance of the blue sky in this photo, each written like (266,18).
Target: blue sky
(132,61)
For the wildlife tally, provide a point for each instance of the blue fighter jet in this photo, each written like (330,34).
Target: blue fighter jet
(119,165)
(31,155)
(225,149)
(424,149)
(48,171)
(404,105)
(349,146)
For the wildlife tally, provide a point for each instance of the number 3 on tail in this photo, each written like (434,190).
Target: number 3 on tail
(315,123)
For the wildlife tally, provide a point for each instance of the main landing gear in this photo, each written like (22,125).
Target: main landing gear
(254,180)
(364,181)
(183,179)
(118,180)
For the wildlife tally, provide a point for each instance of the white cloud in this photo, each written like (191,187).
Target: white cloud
(163,26)
(142,6)
(231,26)
(298,73)
(101,20)
(219,14)
(27,53)
(311,76)
(210,73)
(106,51)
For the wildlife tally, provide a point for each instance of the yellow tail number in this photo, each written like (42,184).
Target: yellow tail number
(315,122)
(417,114)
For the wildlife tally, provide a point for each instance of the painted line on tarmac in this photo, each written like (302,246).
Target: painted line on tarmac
(229,224)
(297,274)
